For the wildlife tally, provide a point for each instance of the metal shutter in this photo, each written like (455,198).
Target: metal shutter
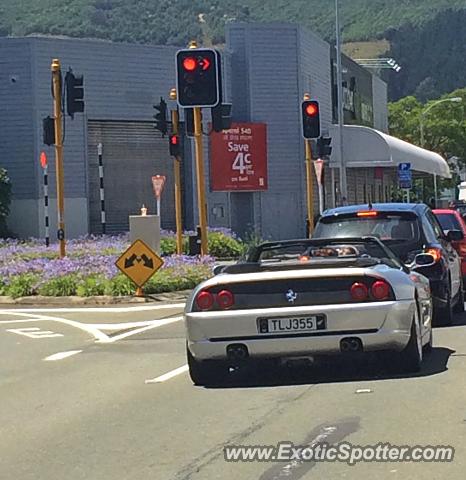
(132,153)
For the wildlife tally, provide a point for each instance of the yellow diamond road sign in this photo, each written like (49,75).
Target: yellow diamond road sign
(139,263)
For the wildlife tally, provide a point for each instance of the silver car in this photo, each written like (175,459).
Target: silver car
(308,298)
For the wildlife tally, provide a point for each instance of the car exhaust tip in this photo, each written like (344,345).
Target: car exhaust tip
(237,351)
(351,344)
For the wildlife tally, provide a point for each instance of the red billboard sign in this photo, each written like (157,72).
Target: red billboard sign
(238,158)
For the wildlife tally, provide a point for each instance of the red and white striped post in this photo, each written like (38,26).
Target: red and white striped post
(44,165)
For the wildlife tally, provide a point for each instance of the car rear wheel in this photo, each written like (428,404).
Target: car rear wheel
(445,316)
(205,372)
(411,356)
(459,306)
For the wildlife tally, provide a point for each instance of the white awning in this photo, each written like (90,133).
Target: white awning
(366,148)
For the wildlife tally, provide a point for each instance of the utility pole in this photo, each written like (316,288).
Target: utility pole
(310,187)
(309,181)
(200,179)
(177,168)
(343,180)
(57,108)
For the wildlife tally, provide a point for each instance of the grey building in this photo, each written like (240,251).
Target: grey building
(267,69)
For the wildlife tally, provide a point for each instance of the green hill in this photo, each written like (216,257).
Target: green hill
(419,31)
(177,21)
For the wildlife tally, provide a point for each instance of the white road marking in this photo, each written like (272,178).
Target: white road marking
(95,330)
(90,329)
(160,323)
(363,390)
(61,355)
(35,332)
(169,375)
(95,309)
(121,326)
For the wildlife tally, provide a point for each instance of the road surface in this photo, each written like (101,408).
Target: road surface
(103,393)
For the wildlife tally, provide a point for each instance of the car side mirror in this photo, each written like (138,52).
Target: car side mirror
(424,260)
(455,235)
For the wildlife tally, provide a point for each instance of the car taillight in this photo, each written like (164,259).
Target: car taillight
(359,292)
(435,252)
(225,299)
(205,300)
(380,290)
(462,249)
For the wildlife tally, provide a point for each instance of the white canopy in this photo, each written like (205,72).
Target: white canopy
(366,147)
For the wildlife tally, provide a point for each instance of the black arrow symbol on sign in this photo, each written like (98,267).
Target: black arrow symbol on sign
(148,262)
(129,262)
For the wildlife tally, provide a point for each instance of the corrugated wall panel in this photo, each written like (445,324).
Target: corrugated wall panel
(132,153)
(16,124)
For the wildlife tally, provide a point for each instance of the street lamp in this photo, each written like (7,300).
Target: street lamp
(421,126)
(343,179)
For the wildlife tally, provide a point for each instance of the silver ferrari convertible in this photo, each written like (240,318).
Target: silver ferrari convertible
(309,298)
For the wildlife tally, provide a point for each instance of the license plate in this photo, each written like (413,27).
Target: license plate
(291,324)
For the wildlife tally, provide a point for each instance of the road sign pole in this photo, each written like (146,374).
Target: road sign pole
(178,203)
(407,195)
(46,206)
(200,179)
(101,186)
(57,107)
(310,187)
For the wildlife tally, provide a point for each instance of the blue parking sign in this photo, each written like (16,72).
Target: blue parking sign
(405,175)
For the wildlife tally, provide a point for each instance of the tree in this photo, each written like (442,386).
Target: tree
(444,127)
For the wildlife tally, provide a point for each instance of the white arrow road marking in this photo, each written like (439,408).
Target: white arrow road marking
(95,330)
(150,326)
(35,332)
(143,323)
(61,355)
(144,308)
(169,375)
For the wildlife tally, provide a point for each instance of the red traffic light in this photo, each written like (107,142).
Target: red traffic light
(189,64)
(204,63)
(174,139)
(312,109)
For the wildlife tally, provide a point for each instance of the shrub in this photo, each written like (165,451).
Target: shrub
(5,200)
(21,285)
(167,245)
(224,246)
(64,286)
(119,286)
(92,286)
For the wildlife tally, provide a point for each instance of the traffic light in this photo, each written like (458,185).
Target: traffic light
(48,130)
(161,123)
(310,118)
(323,146)
(74,93)
(197,77)
(221,117)
(174,144)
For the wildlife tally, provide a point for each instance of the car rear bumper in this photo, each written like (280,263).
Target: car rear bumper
(379,326)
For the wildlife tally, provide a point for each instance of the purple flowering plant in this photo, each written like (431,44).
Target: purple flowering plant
(29,267)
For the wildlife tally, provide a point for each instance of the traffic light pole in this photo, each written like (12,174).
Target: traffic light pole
(310,187)
(57,107)
(200,180)
(178,205)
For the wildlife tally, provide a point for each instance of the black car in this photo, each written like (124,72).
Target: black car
(408,229)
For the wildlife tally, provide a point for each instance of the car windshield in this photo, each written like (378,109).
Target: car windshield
(308,252)
(448,221)
(384,226)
